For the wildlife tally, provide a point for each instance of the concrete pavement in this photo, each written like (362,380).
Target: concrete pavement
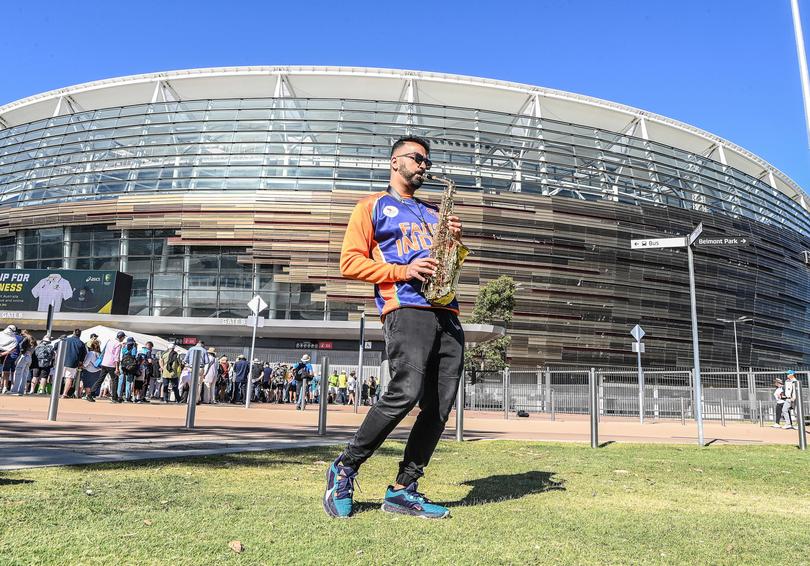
(88,433)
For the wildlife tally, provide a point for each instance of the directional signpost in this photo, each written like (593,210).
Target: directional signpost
(655,243)
(687,242)
(734,241)
(256,305)
(638,347)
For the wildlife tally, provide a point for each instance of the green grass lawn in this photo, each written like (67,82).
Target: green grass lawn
(512,502)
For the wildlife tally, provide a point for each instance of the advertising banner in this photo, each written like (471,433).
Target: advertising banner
(69,290)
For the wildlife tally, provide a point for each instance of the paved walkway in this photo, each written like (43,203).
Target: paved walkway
(102,432)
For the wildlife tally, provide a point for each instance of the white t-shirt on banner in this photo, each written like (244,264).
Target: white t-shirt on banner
(53,289)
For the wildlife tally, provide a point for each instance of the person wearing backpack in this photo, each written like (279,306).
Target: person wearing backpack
(110,365)
(90,369)
(75,352)
(42,362)
(170,368)
(128,364)
(144,376)
(10,346)
(22,370)
(301,373)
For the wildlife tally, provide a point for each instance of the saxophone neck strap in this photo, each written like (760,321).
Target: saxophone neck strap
(399,198)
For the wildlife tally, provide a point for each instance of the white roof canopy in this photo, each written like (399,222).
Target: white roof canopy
(387,85)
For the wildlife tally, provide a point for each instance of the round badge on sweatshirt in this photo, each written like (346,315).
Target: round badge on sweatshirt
(390,211)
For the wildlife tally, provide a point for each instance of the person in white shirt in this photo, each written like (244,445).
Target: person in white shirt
(210,377)
(90,373)
(52,290)
(351,385)
(791,391)
(779,397)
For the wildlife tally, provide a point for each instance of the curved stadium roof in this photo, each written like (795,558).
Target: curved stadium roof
(395,85)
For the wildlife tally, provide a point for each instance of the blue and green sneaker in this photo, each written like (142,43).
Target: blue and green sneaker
(337,500)
(408,501)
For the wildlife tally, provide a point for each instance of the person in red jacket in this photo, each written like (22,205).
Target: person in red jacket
(387,243)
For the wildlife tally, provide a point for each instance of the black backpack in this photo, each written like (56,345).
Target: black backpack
(128,362)
(44,354)
(301,372)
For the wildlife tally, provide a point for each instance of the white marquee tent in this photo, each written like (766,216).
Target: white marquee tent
(107,333)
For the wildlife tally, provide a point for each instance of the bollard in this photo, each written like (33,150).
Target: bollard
(553,413)
(800,416)
(460,409)
(323,396)
(58,370)
(506,393)
(761,416)
(594,407)
(722,413)
(194,388)
(683,413)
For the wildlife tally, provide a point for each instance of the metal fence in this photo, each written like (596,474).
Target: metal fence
(666,393)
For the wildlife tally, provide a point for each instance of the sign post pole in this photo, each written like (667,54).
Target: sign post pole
(256,305)
(638,333)
(194,388)
(58,370)
(358,383)
(695,343)
(680,242)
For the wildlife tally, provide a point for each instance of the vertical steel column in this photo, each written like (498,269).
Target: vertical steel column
(553,413)
(594,408)
(547,395)
(683,413)
(752,394)
(323,397)
(58,370)
(460,409)
(640,388)
(359,381)
(505,373)
(737,360)
(194,387)
(695,345)
(19,250)
(249,387)
(722,412)
(800,416)
(761,415)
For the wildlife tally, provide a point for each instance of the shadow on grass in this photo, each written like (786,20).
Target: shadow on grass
(9,481)
(492,489)
(507,486)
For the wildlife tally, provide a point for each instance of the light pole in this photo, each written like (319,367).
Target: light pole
(734,321)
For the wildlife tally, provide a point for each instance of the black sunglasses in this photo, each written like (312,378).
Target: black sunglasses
(419,158)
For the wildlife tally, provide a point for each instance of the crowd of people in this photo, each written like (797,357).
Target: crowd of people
(125,372)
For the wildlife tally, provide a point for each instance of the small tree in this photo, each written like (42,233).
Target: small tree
(495,304)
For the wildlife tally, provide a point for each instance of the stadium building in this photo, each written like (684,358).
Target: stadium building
(209,186)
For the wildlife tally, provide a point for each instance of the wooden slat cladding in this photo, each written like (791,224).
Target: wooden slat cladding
(581,288)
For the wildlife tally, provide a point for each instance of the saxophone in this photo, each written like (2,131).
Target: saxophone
(440,288)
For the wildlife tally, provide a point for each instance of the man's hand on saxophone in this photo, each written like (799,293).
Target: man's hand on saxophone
(454,222)
(421,268)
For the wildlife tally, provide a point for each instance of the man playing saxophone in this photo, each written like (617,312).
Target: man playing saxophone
(388,243)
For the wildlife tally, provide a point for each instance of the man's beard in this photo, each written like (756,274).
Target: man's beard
(413,178)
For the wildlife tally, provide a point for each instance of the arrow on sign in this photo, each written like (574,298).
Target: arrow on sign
(725,241)
(658,243)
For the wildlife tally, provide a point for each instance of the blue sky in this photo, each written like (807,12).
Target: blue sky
(726,66)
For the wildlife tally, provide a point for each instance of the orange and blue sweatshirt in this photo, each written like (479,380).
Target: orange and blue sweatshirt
(386,232)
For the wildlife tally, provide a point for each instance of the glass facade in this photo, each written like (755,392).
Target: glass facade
(549,202)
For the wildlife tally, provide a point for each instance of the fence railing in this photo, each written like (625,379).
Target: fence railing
(667,394)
